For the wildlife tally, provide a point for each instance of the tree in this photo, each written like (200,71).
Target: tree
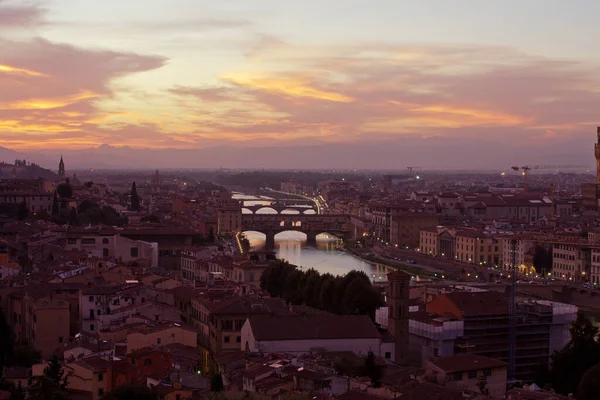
(64,190)
(482,384)
(18,393)
(52,384)
(153,219)
(6,342)
(73,216)
(135,199)
(542,260)
(130,392)
(371,370)
(55,207)
(216,383)
(580,354)
(23,211)
(589,387)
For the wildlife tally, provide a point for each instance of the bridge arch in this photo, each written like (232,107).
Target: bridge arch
(264,209)
(290,211)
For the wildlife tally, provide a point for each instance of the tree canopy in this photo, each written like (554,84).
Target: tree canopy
(135,199)
(6,342)
(589,387)
(52,385)
(65,190)
(542,259)
(371,370)
(350,294)
(568,365)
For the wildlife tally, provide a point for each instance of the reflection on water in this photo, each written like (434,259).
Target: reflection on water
(327,257)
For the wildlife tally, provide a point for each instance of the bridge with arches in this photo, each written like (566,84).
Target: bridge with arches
(279,208)
(310,224)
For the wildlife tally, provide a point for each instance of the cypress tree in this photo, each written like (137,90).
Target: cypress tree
(135,199)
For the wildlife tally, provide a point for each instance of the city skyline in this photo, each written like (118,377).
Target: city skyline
(429,80)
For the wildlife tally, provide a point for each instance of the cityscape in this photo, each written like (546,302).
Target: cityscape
(261,200)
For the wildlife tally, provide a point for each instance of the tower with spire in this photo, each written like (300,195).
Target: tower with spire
(61,170)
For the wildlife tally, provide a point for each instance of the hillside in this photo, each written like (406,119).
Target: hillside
(19,170)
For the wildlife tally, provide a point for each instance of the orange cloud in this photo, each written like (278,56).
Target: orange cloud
(49,103)
(290,87)
(482,117)
(19,71)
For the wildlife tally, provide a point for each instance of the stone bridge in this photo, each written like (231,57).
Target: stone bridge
(310,224)
(281,207)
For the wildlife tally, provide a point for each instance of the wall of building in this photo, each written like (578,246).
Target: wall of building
(161,337)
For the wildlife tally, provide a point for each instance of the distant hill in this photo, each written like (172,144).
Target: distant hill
(19,170)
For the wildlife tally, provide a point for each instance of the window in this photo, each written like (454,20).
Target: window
(472,374)
(60,339)
(226,339)
(238,339)
(157,340)
(91,299)
(388,355)
(105,241)
(133,252)
(91,327)
(100,376)
(487,372)
(147,362)
(100,392)
(457,376)
(88,241)
(71,241)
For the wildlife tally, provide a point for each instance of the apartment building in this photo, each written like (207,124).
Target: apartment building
(220,315)
(464,372)
(572,262)
(595,267)
(477,247)
(194,262)
(229,218)
(160,335)
(105,243)
(40,319)
(406,227)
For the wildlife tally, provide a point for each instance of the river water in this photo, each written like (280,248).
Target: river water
(327,256)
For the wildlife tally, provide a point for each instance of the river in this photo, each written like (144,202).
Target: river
(327,256)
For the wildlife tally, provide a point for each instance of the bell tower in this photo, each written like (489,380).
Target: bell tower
(397,302)
(61,170)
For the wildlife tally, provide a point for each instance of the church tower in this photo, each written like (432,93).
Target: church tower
(397,303)
(61,170)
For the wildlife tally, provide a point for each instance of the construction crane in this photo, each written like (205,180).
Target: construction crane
(414,174)
(527,168)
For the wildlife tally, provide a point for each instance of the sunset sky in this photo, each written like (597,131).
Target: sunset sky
(198,73)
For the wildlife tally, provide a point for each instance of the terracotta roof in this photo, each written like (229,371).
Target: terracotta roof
(420,390)
(479,303)
(95,364)
(275,328)
(466,362)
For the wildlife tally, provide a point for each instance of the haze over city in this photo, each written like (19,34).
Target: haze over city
(320,84)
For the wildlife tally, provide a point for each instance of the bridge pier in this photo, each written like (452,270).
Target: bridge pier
(270,241)
(311,238)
